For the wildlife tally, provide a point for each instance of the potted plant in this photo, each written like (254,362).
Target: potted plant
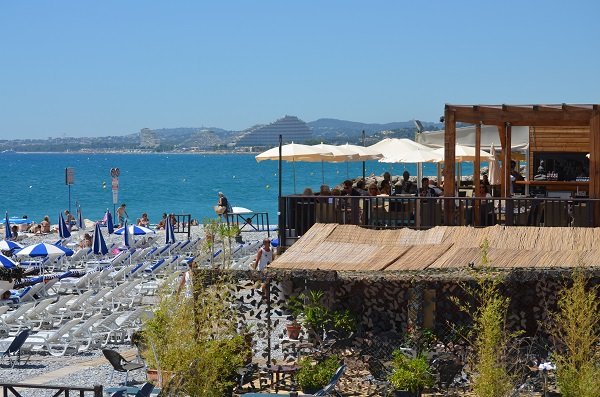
(313,376)
(410,375)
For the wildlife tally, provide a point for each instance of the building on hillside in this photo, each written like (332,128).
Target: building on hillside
(291,128)
(148,139)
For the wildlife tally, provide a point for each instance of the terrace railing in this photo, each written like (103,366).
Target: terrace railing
(10,389)
(299,213)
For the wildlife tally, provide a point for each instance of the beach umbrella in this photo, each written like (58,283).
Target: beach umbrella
(44,250)
(494,168)
(109,223)
(400,148)
(80,223)
(6,262)
(135,230)
(364,153)
(169,231)
(99,245)
(464,153)
(293,152)
(125,232)
(338,154)
(7,233)
(416,155)
(63,230)
(7,245)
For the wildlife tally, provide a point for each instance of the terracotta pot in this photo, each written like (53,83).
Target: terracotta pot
(293,330)
(156,380)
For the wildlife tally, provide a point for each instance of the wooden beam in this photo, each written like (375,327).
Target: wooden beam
(594,192)
(449,165)
(507,160)
(516,115)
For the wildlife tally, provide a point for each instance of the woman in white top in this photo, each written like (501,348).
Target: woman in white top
(264,256)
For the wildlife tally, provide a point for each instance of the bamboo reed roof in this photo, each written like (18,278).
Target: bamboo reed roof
(349,248)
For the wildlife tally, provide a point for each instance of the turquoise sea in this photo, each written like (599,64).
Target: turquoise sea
(34,184)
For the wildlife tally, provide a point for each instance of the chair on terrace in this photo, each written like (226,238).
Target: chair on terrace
(15,348)
(119,364)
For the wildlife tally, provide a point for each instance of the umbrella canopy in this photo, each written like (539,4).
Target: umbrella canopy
(494,170)
(80,222)
(125,232)
(109,223)
(465,153)
(7,245)
(7,233)
(99,245)
(169,231)
(338,153)
(63,230)
(396,147)
(7,262)
(293,152)
(135,230)
(363,153)
(43,250)
(416,155)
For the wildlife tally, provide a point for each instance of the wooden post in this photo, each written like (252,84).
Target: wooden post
(507,159)
(477,172)
(449,164)
(595,162)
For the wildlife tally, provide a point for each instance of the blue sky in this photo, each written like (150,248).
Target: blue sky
(95,68)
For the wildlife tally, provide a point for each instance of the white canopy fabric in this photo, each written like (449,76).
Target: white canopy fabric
(293,152)
(364,153)
(338,153)
(466,153)
(402,150)
(494,169)
(466,136)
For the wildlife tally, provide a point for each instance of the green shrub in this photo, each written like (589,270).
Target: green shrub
(577,320)
(411,374)
(314,376)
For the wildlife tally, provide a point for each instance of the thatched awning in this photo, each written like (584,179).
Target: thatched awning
(348,248)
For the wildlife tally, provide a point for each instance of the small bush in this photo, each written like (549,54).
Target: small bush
(411,374)
(314,376)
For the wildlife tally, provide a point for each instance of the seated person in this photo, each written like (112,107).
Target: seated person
(385,188)
(69,219)
(426,190)
(143,221)
(373,190)
(14,230)
(45,224)
(86,241)
(161,225)
(406,186)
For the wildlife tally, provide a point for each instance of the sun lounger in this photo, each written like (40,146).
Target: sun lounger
(84,334)
(35,317)
(12,320)
(54,342)
(15,348)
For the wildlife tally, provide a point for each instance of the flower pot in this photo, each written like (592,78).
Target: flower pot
(293,330)
(159,381)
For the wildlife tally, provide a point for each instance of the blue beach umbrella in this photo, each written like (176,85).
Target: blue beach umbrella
(99,245)
(7,245)
(7,233)
(169,232)
(135,230)
(7,262)
(109,223)
(44,250)
(63,230)
(80,224)
(125,232)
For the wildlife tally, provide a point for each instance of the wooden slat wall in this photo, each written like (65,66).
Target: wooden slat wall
(559,139)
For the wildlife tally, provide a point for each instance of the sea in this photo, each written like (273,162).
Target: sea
(34,184)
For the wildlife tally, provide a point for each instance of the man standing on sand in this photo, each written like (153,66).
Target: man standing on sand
(122,214)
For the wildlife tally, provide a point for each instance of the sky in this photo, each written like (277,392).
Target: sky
(82,68)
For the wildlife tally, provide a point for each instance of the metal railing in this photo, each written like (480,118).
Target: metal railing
(299,213)
(66,391)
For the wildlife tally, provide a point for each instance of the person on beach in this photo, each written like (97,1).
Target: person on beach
(143,221)
(163,222)
(222,206)
(264,257)
(45,224)
(122,214)
(86,241)
(69,219)
(14,230)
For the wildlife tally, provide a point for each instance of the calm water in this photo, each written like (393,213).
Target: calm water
(34,184)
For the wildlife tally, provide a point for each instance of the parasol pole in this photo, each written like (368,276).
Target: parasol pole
(363,143)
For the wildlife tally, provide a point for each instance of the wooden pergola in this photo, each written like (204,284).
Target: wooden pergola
(506,116)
